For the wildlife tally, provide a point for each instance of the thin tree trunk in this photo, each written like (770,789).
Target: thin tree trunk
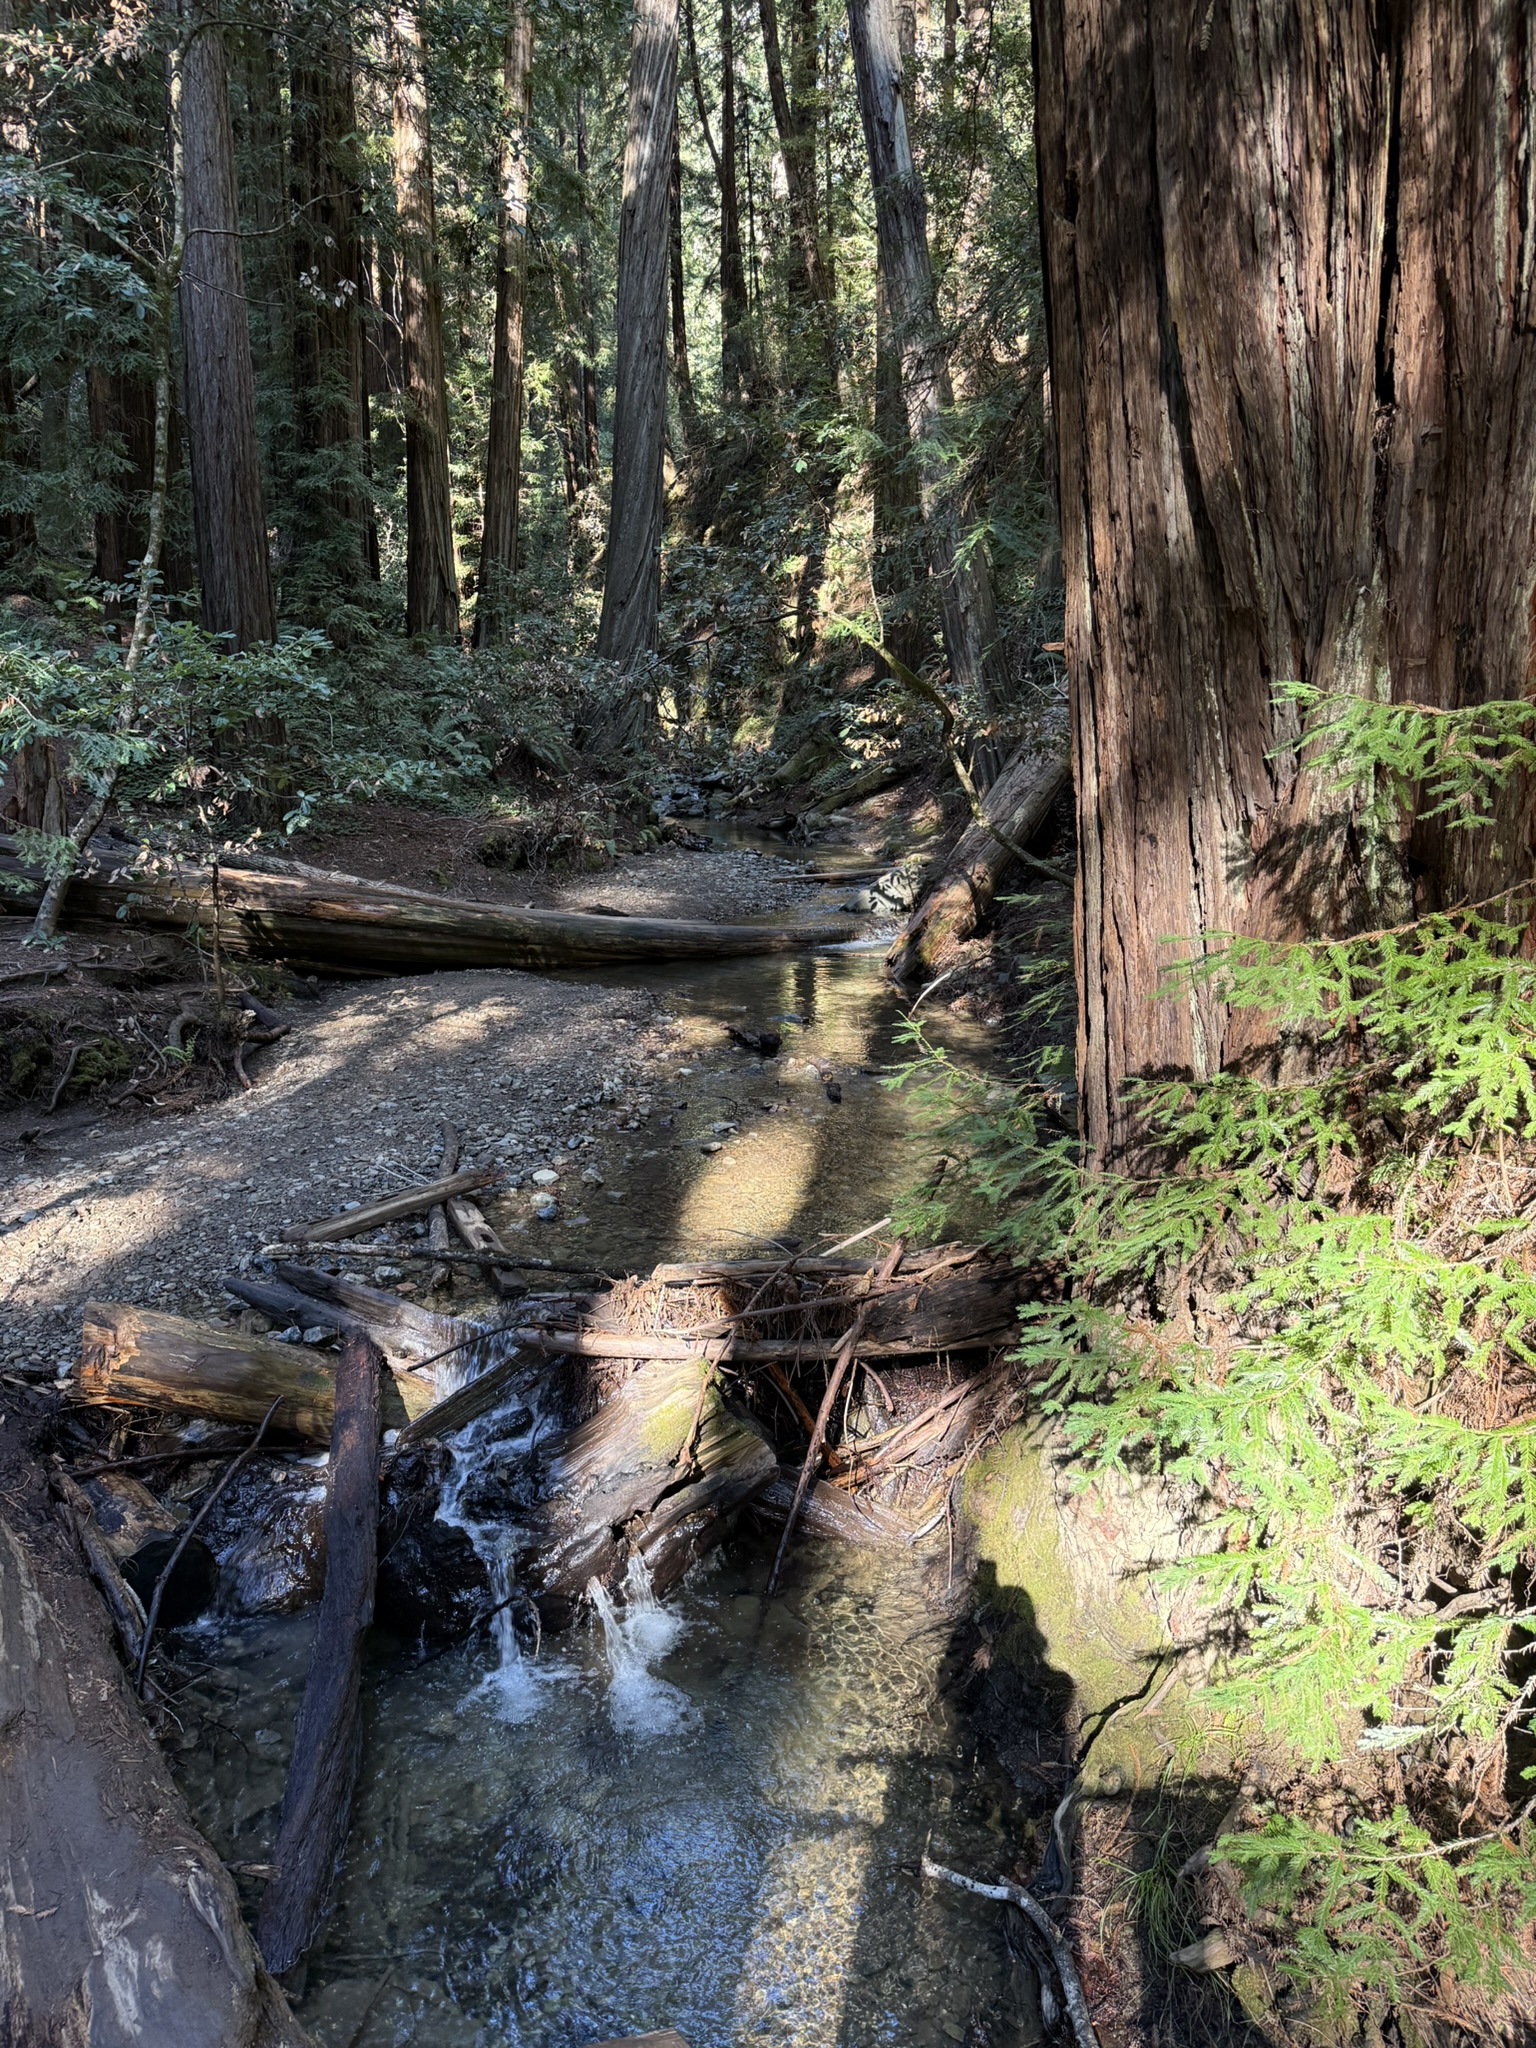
(1290,260)
(736,372)
(220,391)
(588,366)
(797,147)
(631,583)
(504,440)
(897,568)
(328,370)
(901,228)
(682,376)
(431,561)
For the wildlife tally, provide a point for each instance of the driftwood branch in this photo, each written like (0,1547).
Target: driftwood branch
(409,1202)
(317,1800)
(1046,1928)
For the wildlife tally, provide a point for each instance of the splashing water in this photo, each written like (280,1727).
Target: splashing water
(520,1684)
(635,1637)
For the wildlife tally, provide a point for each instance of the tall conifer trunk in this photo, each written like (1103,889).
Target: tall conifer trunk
(328,374)
(220,400)
(504,438)
(906,276)
(631,581)
(1291,253)
(431,562)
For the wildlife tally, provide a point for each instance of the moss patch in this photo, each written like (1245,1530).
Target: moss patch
(1065,1568)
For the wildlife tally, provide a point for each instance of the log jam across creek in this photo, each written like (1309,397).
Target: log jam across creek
(706,1812)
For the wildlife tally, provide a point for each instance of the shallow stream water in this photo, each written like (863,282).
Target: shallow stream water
(708,1816)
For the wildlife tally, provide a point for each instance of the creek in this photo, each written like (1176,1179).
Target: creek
(707,1815)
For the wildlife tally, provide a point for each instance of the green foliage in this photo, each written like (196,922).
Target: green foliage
(1319,1313)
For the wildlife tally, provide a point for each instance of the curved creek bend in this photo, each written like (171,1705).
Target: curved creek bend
(707,1814)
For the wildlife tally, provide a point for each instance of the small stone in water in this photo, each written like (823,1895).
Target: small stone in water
(316,1333)
(592,1178)
(289,1336)
(544,1208)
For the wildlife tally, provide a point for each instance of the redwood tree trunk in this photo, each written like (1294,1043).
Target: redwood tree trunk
(220,392)
(631,582)
(328,375)
(504,439)
(431,563)
(682,376)
(1290,249)
(901,230)
(794,120)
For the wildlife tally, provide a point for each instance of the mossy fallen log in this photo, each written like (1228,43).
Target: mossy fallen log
(343,926)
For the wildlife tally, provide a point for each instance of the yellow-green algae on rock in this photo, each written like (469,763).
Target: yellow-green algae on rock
(1067,1560)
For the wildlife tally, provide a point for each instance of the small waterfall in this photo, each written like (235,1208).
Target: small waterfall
(635,1636)
(519,1685)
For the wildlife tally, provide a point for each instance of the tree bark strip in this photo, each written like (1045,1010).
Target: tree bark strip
(432,568)
(219,383)
(504,437)
(1290,258)
(901,231)
(632,574)
(327,1744)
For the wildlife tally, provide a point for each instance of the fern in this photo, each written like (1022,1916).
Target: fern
(1367,1304)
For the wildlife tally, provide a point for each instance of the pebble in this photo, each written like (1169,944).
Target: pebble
(546,1177)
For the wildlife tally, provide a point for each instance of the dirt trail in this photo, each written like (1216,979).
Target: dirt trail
(600,1084)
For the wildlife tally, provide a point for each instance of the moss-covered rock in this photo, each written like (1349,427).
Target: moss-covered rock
(1066,1565)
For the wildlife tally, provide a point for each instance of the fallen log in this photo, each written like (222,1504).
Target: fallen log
(348,926)
(317,1798)
(143,1358)
(1017,805)
(390,1209)
(395,1324)
(830,1512)
(120,1925)
(618,1486)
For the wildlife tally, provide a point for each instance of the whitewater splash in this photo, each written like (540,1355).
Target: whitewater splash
(636,1635)
(520,1683)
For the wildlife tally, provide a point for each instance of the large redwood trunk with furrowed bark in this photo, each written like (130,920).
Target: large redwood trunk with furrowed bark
(220,386)
(1290,249)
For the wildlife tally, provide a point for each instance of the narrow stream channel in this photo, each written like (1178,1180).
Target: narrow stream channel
(708,1816)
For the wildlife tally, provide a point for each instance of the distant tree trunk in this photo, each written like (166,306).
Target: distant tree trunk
(220,391)
(328,374)
(901,231)
(1291,258)
(682,376)
(121,410)
(812,327)
(504,440)
(631,582)
(736,373)
(898,570)
(588,365)
(431,562)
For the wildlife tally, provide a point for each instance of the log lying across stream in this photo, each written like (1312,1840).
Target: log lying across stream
(341,925)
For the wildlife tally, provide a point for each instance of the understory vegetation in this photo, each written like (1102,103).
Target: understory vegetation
(1317,1312)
